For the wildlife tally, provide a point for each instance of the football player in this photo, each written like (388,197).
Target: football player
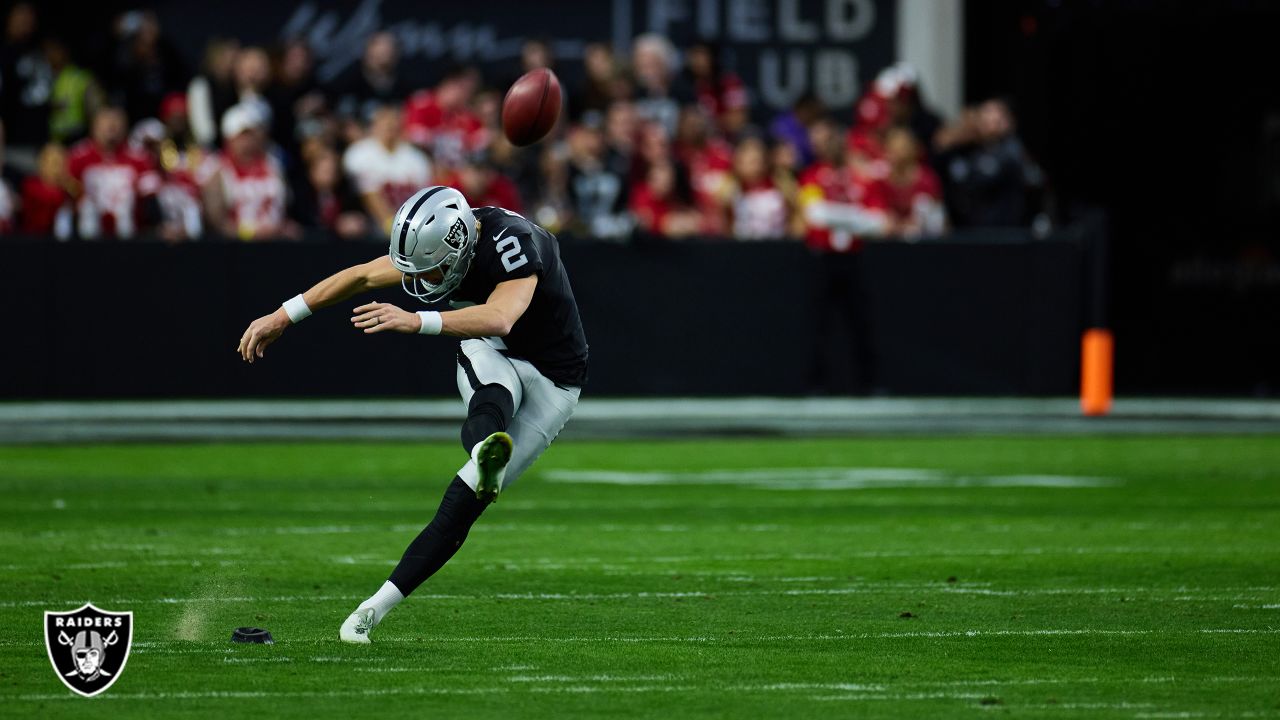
(522,361)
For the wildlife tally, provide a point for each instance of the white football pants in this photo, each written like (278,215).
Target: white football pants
(541,407)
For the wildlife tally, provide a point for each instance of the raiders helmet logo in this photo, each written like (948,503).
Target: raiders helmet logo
(457,236)
(88,647)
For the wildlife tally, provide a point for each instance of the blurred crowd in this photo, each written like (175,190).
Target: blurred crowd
(658,142)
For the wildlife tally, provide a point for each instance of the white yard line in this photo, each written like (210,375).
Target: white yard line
(1081,706)
(868,588)
(252,694)
(824,478)
(190,647)
(899,696)
(619,564)
(1148,594)
(419,669)
(563,689)
(587,678)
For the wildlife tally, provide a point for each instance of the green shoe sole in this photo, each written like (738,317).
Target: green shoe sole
(491,458)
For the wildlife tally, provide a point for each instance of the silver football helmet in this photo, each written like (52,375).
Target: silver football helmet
(433,230)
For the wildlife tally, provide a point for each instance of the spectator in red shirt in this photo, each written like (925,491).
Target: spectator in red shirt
(913,190)
(176,117)
(243,185)
(177,192)
(866,137)
(653,145)
(44,194)
(482,185)
(385,168)
(441,121)
(719,93)
(111,180)
(839,206)
(181,158)
(660,204)
(709,160)
(757,206)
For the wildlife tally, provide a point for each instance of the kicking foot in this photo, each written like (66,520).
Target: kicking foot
(358,625)
(491,455)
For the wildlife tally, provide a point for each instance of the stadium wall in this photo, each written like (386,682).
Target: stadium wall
(989,312)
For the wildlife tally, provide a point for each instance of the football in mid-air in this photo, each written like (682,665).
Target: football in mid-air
(531,107)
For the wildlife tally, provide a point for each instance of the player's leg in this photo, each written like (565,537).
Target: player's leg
(543,414)
(492,390)
(484,436)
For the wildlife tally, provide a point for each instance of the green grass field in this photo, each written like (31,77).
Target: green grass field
(961,577)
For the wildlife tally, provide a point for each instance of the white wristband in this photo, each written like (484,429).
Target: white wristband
(432,323)
(296,308)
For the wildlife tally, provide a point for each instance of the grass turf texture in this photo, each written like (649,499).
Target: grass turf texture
(1151,594)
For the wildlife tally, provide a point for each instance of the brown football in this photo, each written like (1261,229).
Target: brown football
(531,107)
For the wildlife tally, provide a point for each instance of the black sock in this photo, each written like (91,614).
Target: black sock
(489,411)
(440,539)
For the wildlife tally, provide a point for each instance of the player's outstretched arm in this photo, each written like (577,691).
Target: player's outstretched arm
(494,318)
(335,288)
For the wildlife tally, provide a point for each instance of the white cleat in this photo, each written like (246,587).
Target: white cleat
(358,625)
(491,456)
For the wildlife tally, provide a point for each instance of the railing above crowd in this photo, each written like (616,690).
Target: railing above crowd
(660,142)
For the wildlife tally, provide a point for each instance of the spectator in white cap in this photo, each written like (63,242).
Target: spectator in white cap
(244,185)
(899,85)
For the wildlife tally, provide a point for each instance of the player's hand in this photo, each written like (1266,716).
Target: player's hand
(261,333)
(380,317)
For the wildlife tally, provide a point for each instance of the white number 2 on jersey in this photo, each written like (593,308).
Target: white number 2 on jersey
(512,258)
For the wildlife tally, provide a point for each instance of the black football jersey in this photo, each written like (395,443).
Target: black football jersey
(549,334)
